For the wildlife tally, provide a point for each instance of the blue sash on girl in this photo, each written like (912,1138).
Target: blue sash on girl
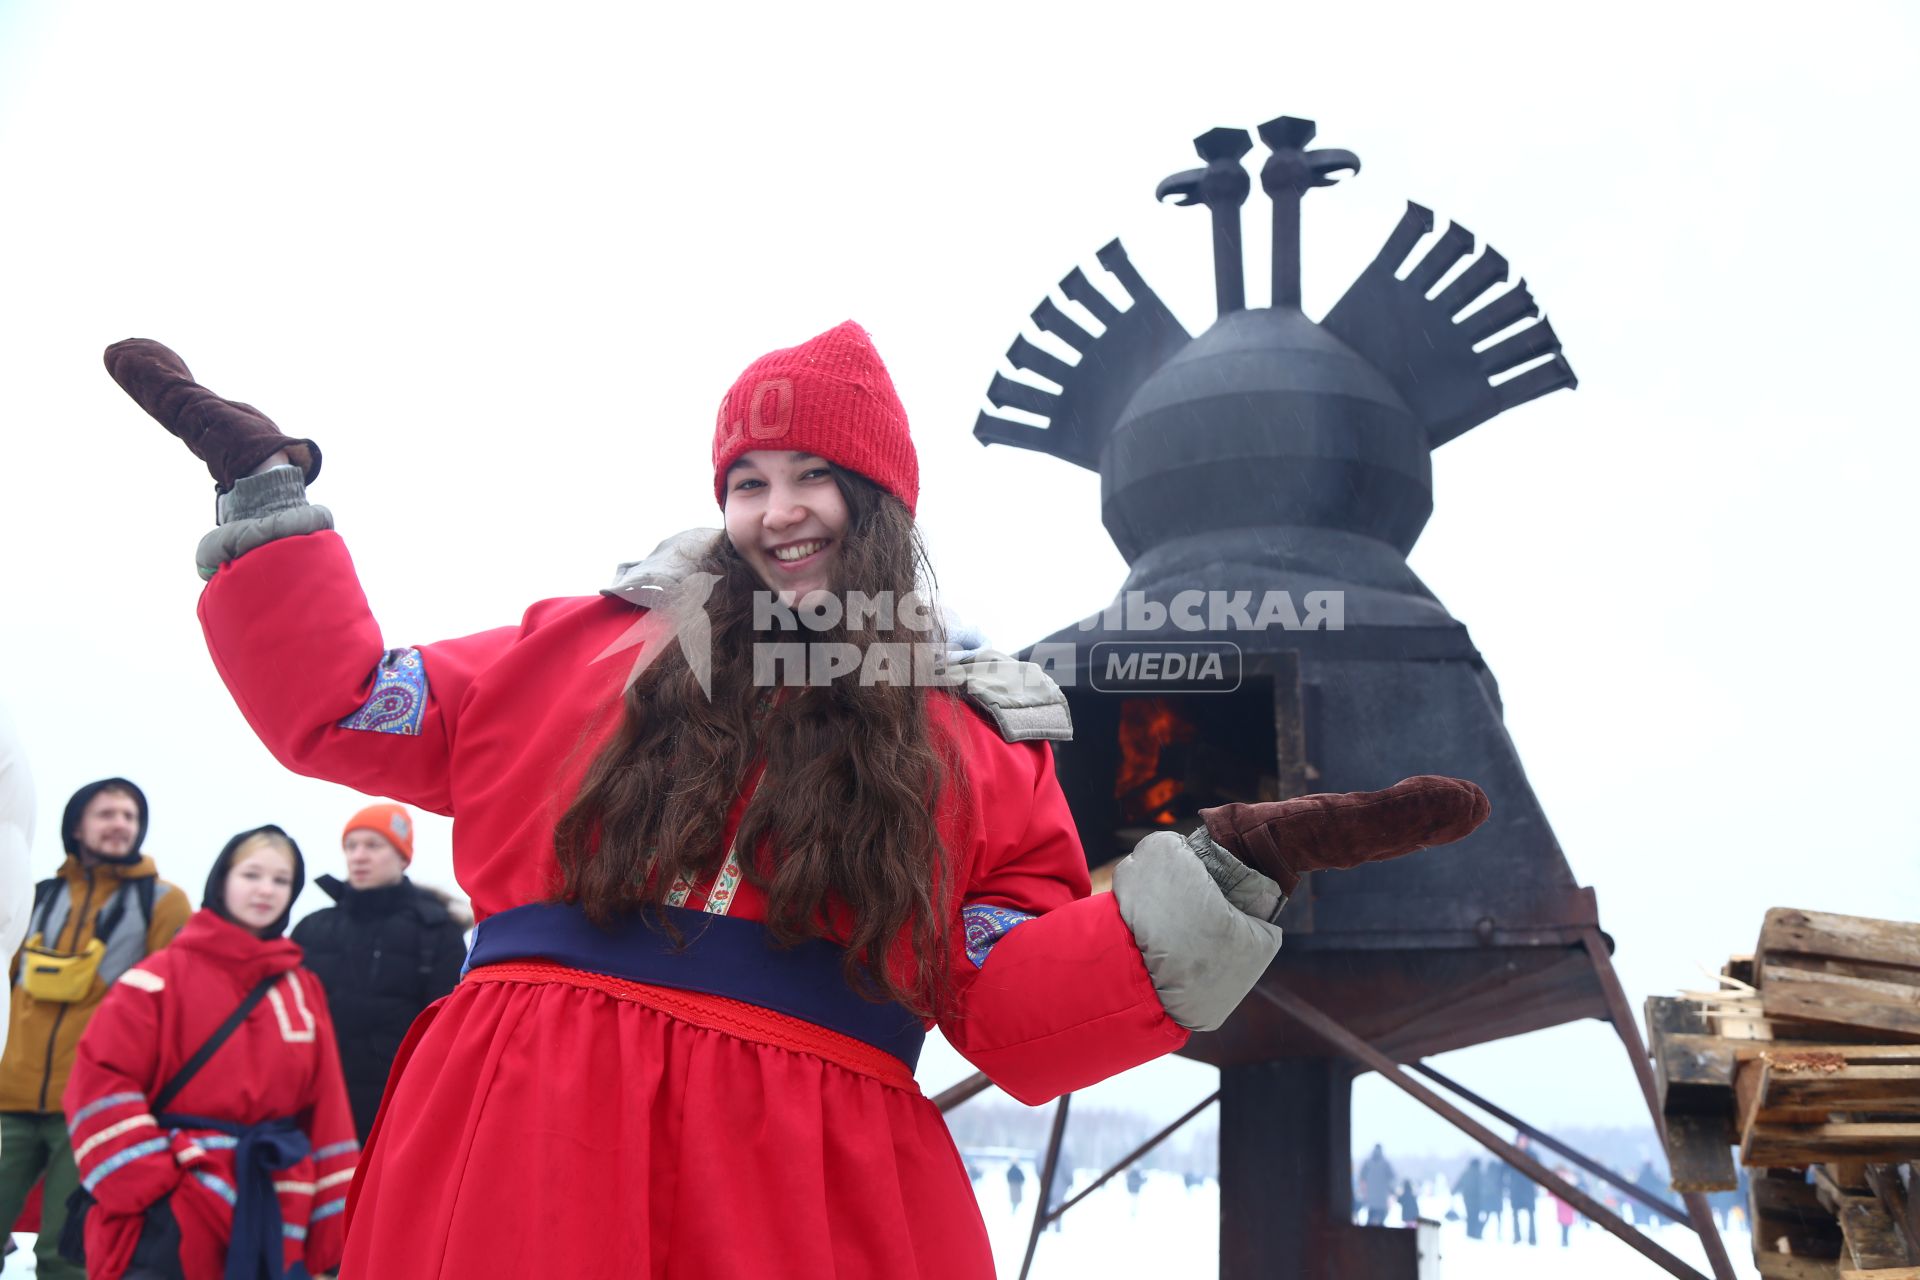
(258,1248)
(716,955)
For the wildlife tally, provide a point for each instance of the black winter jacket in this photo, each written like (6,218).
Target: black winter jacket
(383,955)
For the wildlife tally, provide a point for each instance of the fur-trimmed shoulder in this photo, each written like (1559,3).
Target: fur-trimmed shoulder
(1018,698)
(672,569)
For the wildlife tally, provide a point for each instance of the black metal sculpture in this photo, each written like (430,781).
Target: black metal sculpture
(1273,455)
(1411,359)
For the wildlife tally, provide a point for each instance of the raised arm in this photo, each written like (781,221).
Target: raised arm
(291,634)
(286,622)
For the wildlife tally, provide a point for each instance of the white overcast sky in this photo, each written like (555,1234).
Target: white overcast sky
(502,261)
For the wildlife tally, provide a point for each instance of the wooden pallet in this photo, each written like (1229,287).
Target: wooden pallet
(1693,1080)
(1709,1068)
(1798,1106)
(1850,970)
(1806,1059)
(1794,1237)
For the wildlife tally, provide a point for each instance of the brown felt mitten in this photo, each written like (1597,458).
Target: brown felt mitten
(1287,838)
(231,438)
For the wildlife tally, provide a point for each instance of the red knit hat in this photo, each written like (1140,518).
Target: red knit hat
(830,396)
(389,821)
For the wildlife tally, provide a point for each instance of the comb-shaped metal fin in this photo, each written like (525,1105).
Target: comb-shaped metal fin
(1134,341)
(1427,353)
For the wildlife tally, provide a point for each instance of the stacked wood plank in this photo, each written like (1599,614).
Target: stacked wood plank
(1806,1065)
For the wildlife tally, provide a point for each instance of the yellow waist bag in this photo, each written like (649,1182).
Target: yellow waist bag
(62,979)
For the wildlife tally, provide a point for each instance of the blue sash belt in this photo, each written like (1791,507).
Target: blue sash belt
(258,1248)
(717,956)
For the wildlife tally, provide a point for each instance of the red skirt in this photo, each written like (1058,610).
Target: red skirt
(551,1122)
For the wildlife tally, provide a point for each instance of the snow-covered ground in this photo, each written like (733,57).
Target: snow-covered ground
(1173,1232)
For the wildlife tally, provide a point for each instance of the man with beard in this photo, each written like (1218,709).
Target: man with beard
(106,910)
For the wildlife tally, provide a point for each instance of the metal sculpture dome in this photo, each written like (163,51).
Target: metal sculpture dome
(1284,421)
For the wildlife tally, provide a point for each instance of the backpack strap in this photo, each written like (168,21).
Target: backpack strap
(43,893)
(191,1068)
(107,920)
(142,893)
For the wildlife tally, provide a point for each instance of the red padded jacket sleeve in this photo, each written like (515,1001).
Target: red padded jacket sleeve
(124,1158)
(291,634)
(1050,991)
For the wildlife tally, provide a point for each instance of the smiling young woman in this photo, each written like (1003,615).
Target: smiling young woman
(786,517)
(719,909)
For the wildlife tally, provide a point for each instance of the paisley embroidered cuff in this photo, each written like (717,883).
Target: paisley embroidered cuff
(986,925)
(398,703)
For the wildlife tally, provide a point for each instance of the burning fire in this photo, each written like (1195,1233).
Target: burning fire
(1160,795)
(1146,726)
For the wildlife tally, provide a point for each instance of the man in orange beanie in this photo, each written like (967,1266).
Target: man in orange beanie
(378,844)
(388,950)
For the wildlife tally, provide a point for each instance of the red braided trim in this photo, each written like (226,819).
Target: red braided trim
(719,1013)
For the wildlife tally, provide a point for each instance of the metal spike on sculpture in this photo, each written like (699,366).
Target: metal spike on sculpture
(1272,456)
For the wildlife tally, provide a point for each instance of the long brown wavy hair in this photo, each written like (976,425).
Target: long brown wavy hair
(841,832)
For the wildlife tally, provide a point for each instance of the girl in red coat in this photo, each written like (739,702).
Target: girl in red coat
(732,857)
(244,1171)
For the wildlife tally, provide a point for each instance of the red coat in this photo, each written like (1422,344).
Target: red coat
(281,1062)
(560,1131)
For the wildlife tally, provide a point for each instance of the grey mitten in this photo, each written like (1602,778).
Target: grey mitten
(1203,950)
(256,511)
(1245,888)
